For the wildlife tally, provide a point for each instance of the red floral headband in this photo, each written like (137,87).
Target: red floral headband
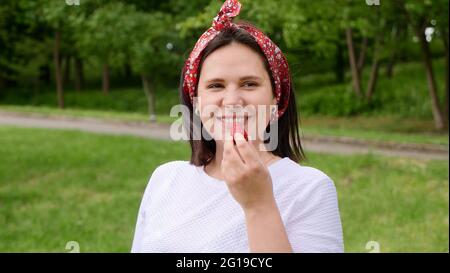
(277,61)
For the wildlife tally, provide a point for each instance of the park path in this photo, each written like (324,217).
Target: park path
(322,144)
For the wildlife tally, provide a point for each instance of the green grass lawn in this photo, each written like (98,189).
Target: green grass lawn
(379,128)
(58,186)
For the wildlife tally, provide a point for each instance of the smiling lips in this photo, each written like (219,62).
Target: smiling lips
(237,127)
(234,122)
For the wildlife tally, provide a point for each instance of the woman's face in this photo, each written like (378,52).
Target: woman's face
(234,76)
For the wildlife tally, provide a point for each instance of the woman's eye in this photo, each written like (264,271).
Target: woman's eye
(250,84)
(214,85)
(218,85)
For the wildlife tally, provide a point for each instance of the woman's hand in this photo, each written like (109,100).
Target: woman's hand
(249,181)
(246,175)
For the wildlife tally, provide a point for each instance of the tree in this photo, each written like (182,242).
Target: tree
(104,34)
(59,17)
(152,55)
(20,51)
(420,15)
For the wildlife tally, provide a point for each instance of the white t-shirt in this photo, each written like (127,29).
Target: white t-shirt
(186,210)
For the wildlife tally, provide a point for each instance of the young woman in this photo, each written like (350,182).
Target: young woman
(233,195)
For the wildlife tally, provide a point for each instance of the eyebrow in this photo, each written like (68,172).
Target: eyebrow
(250,77)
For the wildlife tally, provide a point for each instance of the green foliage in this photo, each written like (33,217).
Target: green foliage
(333,101)
(105,33)
(405,95)
(151,44)
(314,25)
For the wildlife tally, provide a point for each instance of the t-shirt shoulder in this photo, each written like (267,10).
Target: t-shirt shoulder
(170,167)
(312,220)
(295,181)
(305,174)
(165,170)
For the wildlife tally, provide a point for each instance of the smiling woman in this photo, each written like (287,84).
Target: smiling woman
(238,194)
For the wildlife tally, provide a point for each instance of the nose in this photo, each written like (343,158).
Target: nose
(232,97)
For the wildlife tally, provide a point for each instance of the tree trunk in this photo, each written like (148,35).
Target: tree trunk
(353,66)
(390,65)
(150,94)
(373,78)
(105,81)
(339,64)
(419,28)
(58,74)
(445,40)
(79,75)
(393,57)
(432,87)
(362,55)
(371,85)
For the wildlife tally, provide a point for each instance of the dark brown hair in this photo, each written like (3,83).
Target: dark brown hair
(203,151)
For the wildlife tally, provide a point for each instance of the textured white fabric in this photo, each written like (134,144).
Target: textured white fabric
(186,210)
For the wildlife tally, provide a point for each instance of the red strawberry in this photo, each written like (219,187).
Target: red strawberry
(238,129)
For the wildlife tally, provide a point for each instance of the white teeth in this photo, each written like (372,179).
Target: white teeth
(231,119)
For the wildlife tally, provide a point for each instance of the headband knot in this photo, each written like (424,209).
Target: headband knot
(229,10)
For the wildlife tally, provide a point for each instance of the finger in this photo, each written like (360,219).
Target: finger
(227,147)
(231,155)
(246,149)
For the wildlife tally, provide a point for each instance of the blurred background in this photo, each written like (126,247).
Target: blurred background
(86,88)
